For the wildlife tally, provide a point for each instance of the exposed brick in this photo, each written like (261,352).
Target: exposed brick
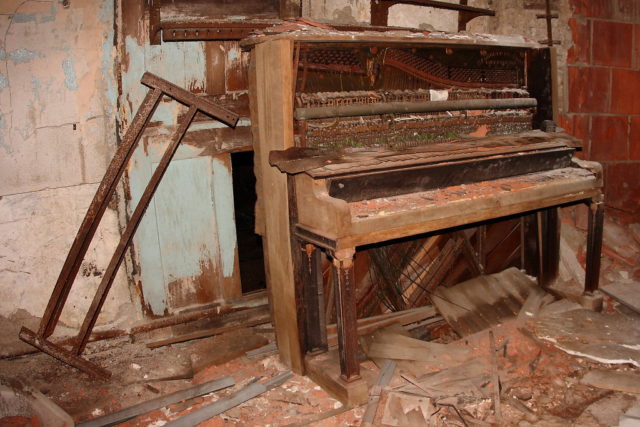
(581,131)
(622,186)
(580,35)
(634,139)
(593,8)
(588,89)
(609,138)
(612,43)
(636,46)
(578,126)
(625,92)
(627,10)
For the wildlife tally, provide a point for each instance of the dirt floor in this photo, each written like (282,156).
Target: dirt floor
(541,385)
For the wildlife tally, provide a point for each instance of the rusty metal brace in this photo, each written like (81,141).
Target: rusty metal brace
(159,88)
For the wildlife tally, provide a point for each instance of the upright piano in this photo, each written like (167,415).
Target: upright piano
(367,137)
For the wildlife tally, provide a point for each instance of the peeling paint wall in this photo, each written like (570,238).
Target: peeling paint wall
(359,12)
(185,249)
(57,134)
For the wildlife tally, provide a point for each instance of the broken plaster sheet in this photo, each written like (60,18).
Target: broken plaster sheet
(605,338)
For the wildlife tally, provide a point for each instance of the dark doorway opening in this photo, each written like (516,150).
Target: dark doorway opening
(250,255)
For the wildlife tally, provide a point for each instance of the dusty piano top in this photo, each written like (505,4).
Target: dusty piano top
(309,32)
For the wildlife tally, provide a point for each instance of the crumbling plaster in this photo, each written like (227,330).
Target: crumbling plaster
(57,134)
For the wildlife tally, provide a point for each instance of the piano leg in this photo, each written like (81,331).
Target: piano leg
(594,245)
(346,314)
(315,323)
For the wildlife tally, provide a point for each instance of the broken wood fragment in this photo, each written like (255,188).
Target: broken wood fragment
(393,346)
(485,301)
(159,402)
(628,382)
(495,378)
(627,294)
(386,373)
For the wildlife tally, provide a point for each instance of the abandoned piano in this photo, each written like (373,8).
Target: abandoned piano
(363,138)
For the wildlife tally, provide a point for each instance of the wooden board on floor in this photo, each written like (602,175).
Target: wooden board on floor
(484,301)
(627,294)
(628,382)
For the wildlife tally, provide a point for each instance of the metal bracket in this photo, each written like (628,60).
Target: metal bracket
(101,199)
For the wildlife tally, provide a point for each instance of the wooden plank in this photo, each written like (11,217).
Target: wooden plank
(627,294)
(414,39)
(223,348)
(231,322)
(272,125)
(627,382)
(484,301)
(398,347)
(371,324)
(215,63)
(162,401)
(466,379)
(236,67)
(219,406)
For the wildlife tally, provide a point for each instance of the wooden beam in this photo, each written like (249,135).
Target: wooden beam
(272,126)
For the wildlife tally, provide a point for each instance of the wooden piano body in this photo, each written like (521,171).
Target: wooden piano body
(405,143)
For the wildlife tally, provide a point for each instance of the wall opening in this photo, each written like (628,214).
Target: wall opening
(250,254)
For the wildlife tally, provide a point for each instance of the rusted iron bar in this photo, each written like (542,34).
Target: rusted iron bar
(189,99)
(412,107)
(127,236)
(62,354)
(594,246)
(96,210)
(94,213)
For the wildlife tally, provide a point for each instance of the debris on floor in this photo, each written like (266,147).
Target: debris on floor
(512,356)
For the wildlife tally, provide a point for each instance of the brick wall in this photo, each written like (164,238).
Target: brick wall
(603,92)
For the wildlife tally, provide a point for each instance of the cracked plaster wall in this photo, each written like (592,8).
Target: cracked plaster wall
(57,134)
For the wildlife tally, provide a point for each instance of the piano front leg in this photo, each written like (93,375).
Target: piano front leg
(346,314)
(594,245)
